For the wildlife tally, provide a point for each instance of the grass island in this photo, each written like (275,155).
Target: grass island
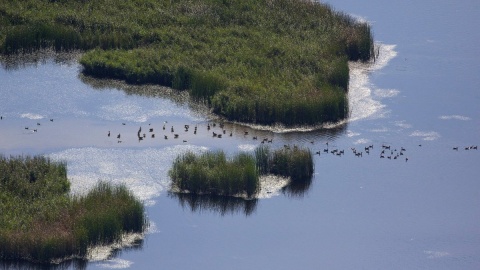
(255,61)
(40,222)
(212,173)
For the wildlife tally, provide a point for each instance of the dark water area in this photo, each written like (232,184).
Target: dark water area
(358,212)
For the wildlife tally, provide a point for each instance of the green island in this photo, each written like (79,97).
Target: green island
(255,61)
(42,223)
(213,173)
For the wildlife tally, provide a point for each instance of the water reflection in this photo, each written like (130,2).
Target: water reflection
(20,61)
(15,264)
(297,189)
(219,204)
(179,98)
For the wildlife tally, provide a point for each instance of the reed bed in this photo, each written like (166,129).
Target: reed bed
(40,222)
(269,61)
(293,162)
(212,173)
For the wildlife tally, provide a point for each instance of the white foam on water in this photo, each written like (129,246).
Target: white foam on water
(402,124)
(115,264)
(362,102)
(386,93)
(432,254)
(455,117)
(247,147)
(32,116)
(271,185)
(361,141)
(426,135)
(352,134)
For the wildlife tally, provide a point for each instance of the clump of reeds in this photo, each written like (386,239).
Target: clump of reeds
(213,173)
(293,162)
(40,222)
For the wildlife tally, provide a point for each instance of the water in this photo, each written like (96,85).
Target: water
(358,213)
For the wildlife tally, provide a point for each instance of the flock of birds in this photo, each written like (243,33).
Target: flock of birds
(219,131)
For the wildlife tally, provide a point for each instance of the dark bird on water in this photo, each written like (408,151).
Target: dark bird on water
(118,136)
(108,133)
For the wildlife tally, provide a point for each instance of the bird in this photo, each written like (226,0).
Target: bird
(108,133)
(150,130)
(175,136)
(455,148)
(118,136)
(165,136)
(51,119)
(153,135)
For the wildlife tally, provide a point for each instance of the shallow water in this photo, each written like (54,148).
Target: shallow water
(358,212)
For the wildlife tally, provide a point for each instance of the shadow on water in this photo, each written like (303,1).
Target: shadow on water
(297,189)
(218,204)
(16,264)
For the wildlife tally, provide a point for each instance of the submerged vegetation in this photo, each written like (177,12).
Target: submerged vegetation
(41,222)
(214,174)
(267,61)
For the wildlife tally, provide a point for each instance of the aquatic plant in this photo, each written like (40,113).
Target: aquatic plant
(275,61)
(40,222)
(212,173)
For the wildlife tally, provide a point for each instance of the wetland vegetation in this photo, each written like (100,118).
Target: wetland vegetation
(42,223)
(270,61)
(213,173)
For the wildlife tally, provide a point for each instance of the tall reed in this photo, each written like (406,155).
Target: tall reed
(40,222)
(213,173)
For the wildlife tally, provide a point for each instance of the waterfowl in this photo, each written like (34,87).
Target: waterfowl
(118,136)
(165,136)
(175,136)
(153,135)
(219,136)
(51,119)
(455,148)
(108,134)
(150,130)
(171,129)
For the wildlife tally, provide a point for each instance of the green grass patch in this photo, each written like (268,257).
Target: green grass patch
(258,61)
(214,174)
(42,223)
